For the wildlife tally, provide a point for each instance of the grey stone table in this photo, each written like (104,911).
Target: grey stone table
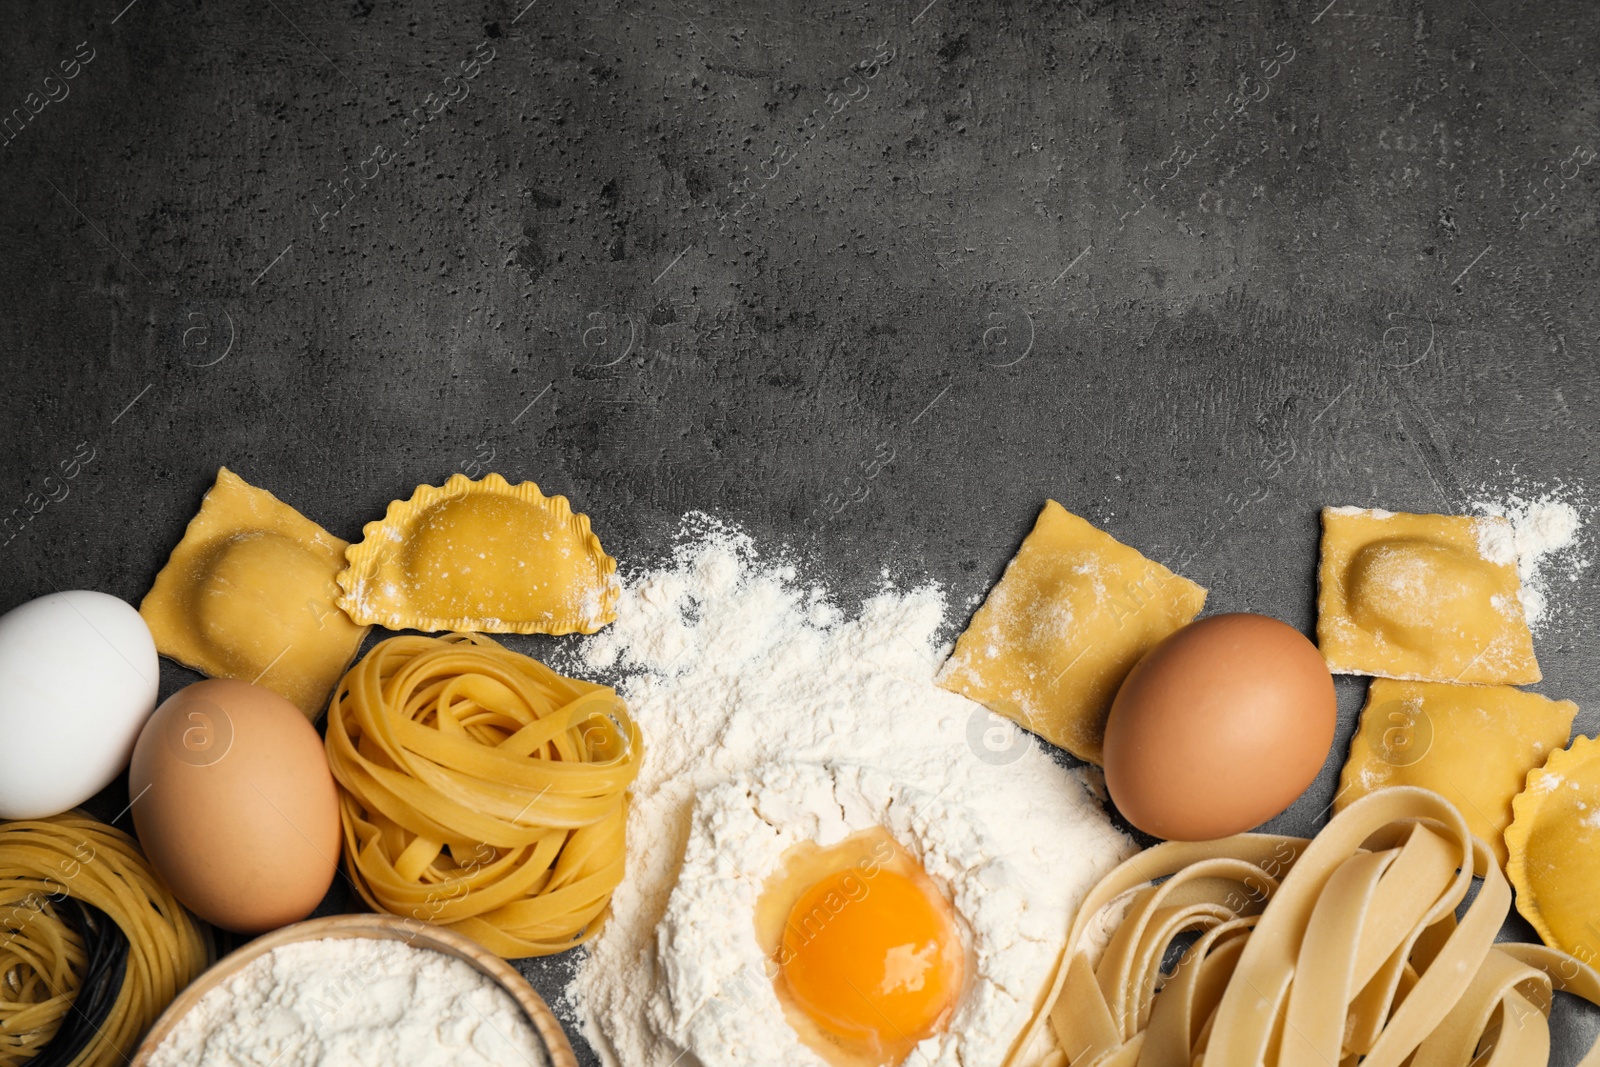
(871,280)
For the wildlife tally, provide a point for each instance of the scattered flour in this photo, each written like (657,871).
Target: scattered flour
(359,1002)
(732,666)
(1544,539)
(1497,540)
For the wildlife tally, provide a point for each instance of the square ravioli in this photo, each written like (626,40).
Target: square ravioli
(1071,615)
(1432,598)
(1473,744)
(249,593)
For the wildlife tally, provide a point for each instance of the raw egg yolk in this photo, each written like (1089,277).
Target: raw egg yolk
(876,961)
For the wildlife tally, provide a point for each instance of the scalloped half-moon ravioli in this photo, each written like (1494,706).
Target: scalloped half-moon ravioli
(483,556)
(1555,849)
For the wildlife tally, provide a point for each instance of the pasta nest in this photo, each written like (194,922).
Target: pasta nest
(61,879)
(1344,949)
(482,791)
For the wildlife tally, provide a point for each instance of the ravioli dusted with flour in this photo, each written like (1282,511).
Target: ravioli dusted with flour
(483,556)
(1061,629)
(249,593)
(1431,598)
(831,915)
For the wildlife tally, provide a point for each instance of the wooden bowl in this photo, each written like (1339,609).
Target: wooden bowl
(385,928)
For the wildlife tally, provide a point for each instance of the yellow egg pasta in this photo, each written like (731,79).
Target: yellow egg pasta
(42,965)
(1472,744)
(1343,949)
(1061,629)
(249,594)
(1555,849)
(1425,597)
(482,791)
(43,863)
(483,556)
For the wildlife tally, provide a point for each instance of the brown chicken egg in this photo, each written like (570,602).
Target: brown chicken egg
(1219,728)
(235,805)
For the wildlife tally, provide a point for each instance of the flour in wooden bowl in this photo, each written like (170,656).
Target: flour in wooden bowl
(361,1002)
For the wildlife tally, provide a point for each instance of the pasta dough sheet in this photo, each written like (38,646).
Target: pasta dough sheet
(485,556)
(249,593)
(1473,744)
(1427,597)
(1065,624)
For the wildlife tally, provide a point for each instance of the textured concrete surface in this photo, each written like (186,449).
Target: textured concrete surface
(871,280)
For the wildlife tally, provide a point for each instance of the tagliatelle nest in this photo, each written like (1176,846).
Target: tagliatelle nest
(482,791)
(1345,949)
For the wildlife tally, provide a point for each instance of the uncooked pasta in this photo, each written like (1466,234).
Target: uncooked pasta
(1345,949)
(482,791)
(65,882)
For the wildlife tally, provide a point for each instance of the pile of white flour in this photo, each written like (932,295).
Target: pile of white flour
(355,1001)
(1545,531)
(730,663)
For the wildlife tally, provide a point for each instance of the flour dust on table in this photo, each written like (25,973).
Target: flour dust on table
(1547,529)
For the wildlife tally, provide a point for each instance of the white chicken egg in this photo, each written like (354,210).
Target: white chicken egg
(78,678)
